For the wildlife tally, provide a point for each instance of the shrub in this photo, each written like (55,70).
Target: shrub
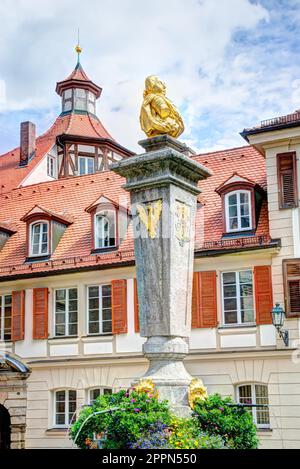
(185,434)
(235,425)
(136,415)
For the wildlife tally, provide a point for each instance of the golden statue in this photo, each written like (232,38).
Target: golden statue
(196,392)
(158,114)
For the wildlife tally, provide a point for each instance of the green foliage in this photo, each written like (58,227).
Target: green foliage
(234,424)
(142,421)
(136,414)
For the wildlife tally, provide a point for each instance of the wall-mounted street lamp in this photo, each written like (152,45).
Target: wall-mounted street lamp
(278,317)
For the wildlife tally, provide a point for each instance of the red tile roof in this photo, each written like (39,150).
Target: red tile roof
(74,195)
(12,175)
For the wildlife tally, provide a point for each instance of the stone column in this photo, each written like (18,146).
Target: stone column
(163,187)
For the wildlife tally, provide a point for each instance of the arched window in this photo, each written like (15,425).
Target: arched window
(105,229)
(255,395)
(39,239)
(238,211)
(96,392)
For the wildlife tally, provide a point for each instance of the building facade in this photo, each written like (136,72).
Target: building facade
(68,302)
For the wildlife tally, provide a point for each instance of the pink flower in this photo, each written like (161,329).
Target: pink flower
(132,400)
(136,410)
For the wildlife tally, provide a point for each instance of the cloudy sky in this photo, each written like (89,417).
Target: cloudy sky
(227,63)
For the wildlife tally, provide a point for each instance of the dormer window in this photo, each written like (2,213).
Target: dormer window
(105,229)
(39,239)
(238,211)
(241,205)
(44,231)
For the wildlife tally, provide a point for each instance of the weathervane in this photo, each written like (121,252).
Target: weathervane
(78,49)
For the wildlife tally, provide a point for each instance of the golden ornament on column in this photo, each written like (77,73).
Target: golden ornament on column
(158,114)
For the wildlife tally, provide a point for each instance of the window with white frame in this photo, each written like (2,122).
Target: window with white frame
(80,99)
(5,317)
(51,166)
(39,239)
(66,312)
(256,395)
(64,407)
(237,293)
(67,100)
(96,392)
(99,309)
(86,165)
(105,229)
(238,211)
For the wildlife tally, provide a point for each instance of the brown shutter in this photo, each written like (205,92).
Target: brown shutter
(136,308)
(263,294)
(18,315)
(287,180)
(291,275)
(119,306)
(40,313)
(204,300)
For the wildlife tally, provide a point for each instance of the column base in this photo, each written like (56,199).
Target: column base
(168,373)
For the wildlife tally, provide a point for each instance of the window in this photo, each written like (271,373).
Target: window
(80,99)
(96,392)
(66,312)
(67,100)
(291,275)
(65,407)
(5,317)
(39,239)
(99,309)
(51,163)
(287,180)
(91,103)
(238,211)
(237,288)
(105,229)
(256,394)
(86,165)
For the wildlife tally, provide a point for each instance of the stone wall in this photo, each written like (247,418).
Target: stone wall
(13,396)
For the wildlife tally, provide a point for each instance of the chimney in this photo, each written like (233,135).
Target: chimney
(27,142)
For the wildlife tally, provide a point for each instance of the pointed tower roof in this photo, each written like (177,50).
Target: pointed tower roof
(78,79)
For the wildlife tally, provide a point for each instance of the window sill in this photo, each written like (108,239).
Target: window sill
(37,258)
(64,339)
(264,430)
(97,337)
(238,234)
(104,250)
(57,431)
(241,328)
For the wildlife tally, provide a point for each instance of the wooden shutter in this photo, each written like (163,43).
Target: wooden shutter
(136,308)
(287,180)
(263,294)
(204,300)
(119,306)
(40,313)
(291,275)
(18,315)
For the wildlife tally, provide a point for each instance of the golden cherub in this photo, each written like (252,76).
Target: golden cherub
(196,391)
(146,385)
(158,114)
